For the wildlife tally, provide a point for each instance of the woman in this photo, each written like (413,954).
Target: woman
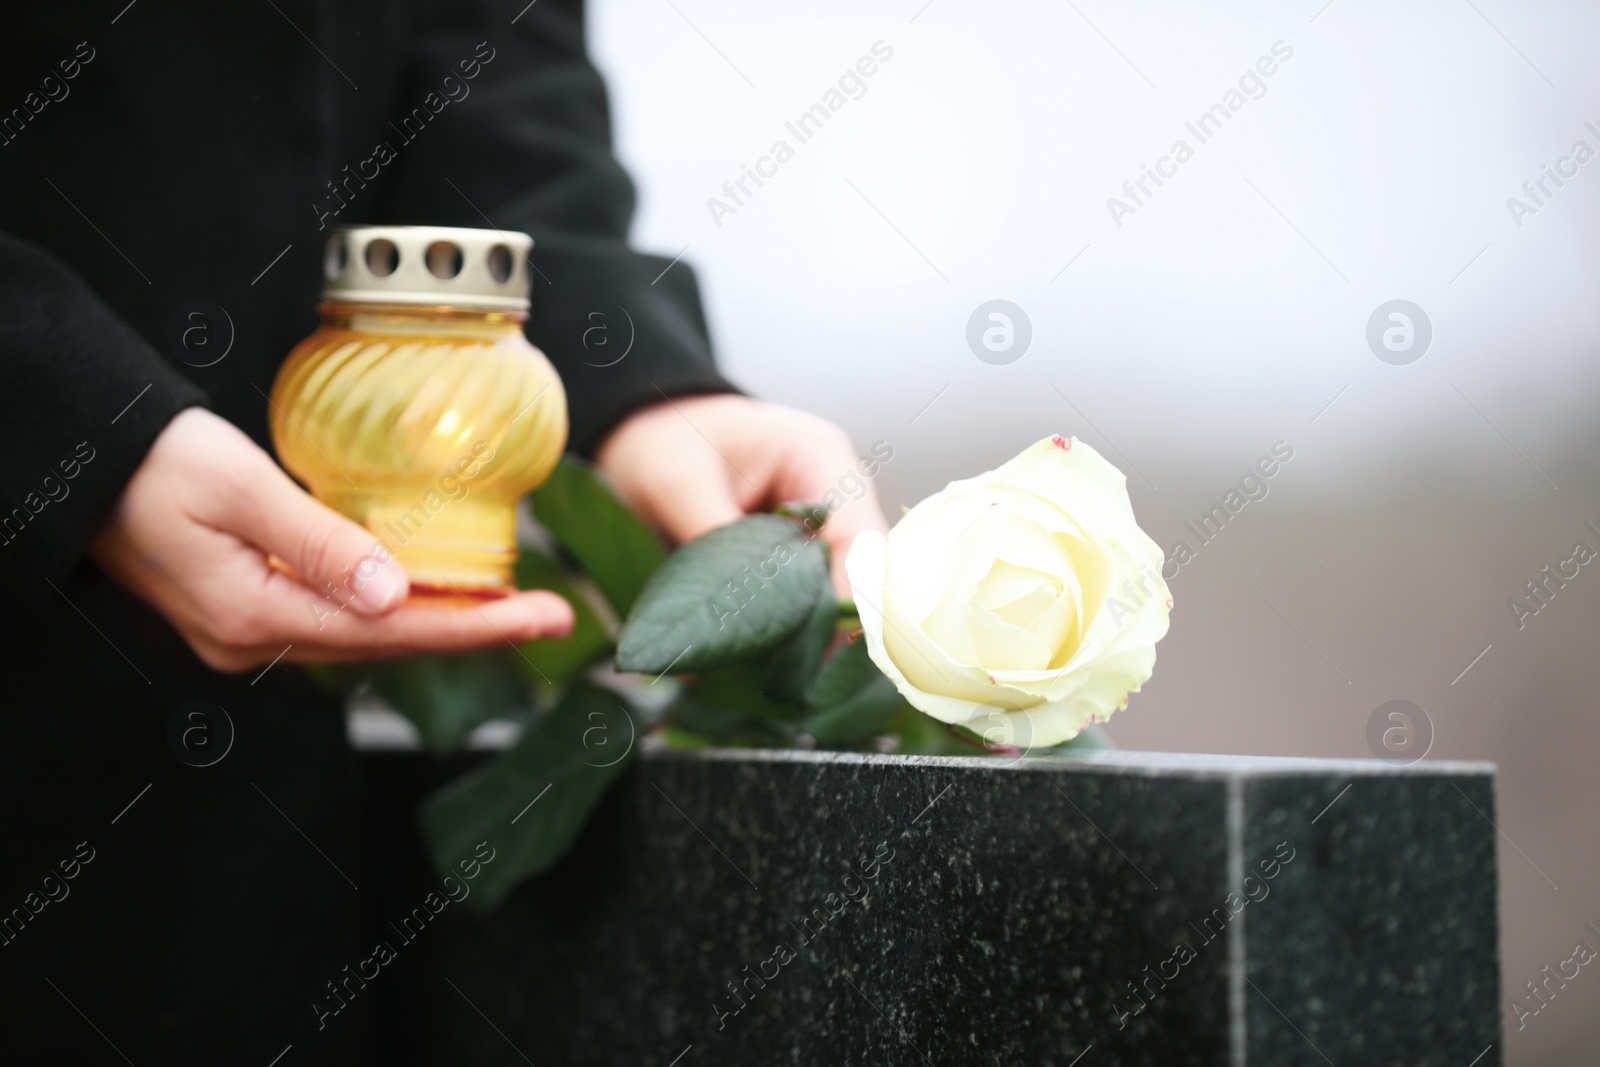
(160,162)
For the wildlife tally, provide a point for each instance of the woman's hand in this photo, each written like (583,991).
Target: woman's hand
(693,464)
(192,535)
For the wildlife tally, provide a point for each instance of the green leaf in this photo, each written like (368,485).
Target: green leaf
(558,662)
(739,689)
(446,696)
(729,706)
(530,801)
(812,515)
(852,699)
(722,726)
(675,737)
(616,548)
(728,597)
(793,670)
(923,735)
(337,678)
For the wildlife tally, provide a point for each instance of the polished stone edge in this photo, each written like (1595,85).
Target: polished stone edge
(374,729)
(1104,761)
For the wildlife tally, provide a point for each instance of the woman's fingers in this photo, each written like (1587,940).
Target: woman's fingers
(193,533)
(442,624)
(696,463)
(290,620)
(328,551)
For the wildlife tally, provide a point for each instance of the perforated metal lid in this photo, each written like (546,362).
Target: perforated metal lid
(428,265)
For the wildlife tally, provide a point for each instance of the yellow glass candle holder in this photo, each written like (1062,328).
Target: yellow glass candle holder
(419,409)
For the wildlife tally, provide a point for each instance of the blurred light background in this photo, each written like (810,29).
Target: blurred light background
(1228,312)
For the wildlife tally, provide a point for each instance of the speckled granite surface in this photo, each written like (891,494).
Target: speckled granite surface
(1125,908)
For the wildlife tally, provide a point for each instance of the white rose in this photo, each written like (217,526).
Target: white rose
(1025,602)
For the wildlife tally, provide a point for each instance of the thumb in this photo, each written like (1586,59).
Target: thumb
(688,507)
(840,532)
(695,511)
(328,552)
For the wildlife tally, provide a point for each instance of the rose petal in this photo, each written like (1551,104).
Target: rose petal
(865,567)
(1050,723)
(1025,601)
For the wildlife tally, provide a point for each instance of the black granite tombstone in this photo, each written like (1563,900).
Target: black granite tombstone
(752,907)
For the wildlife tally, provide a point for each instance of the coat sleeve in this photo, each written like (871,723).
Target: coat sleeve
(82,397)
(522,141)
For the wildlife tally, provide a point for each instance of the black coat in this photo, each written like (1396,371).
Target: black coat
(157,157)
